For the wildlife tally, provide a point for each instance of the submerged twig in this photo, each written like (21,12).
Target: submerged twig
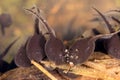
(43,70)
(92,70)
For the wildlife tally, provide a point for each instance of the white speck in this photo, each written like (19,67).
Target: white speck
(72,57)
(66,50)
(76,50)
(88,48)
(67,58)
(60,55)
(76,57)
(67,55)
(44,20)
(67,61)
(71,63)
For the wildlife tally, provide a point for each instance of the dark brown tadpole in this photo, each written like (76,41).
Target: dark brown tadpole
(5,21)
(81,50)
(111,44)
(54,47)
(35,46)
(21,58)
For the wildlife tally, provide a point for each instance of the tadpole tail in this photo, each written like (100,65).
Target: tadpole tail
(8,48)
(42,20)
(36,26)
(107,23)
(116,20)
(3,30)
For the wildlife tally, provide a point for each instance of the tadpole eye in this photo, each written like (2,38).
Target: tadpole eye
(21,58)
(35,46)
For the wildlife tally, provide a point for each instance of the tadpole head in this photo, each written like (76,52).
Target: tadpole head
(54,50)
(35,46)
(81,50)
(113,46)
(21,58)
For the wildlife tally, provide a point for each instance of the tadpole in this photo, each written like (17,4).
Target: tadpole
(5,21)
(35,46)
(111,44)
(81,50)
(54,47)
(21,58)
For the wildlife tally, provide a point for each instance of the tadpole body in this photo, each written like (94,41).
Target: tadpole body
(54,49)
(35,46)
(5,21)
(113,46)
(81,50)
(21,58)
